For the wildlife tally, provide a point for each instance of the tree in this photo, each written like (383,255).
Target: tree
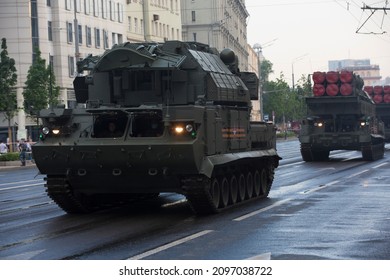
(265,69)
(40,86)
(286,104)
(8,79)
(276,98)
(304,89)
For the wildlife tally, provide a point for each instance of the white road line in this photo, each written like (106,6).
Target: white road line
(19,182)
(357,174)
(265,256)
(380,165)
(169,245)
(319,188)
(21,186)
(376,185)
(246,216)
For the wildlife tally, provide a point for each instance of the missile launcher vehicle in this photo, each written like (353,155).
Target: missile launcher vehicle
(381,97)
(340,116)
(154,118)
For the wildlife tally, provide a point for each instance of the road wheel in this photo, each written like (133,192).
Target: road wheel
(233,189)
(256,183)
(265,186)
(215,192)
(249,185)
(241,187)
(224,192)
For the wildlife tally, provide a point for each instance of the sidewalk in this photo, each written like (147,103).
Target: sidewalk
(15,164)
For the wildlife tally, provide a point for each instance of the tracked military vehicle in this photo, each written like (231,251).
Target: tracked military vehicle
(381,97)
(340,116)
(154,118)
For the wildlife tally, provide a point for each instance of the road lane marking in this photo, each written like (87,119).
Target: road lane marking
(265,256)
(19,182)
(169,245)
(21,186)
(380,165)
(246,216)
(319,188)
(357,174)
(25,256)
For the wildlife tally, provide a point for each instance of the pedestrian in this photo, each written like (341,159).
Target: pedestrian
(22,151)
(3,148)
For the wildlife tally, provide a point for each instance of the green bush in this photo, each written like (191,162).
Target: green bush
(9,157)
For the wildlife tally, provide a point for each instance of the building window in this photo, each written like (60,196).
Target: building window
(114,38)
(136,25)
(48,3)
(80,31)
(49,31)
(71,66)
(97,37)
(87,6)
(78,6)
(88,36)
(193,16)
(105,39)
(68,4)
(129,23)
(69,29)
(194,35)
(104,8)
(141,22)
(96,8)
(120,38)
(120,12)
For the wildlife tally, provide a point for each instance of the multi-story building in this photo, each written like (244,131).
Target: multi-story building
(66,31)
(153,20)
(218,23)
(253,66)
(363,67)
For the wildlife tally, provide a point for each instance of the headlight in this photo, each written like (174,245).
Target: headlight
(362,124)
(183,129)
(189,128)
(179,129)
(318,124)
(45,130)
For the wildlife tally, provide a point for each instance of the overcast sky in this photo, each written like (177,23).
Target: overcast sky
(305,34)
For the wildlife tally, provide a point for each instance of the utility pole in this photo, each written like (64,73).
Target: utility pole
(373,10)
(76,35)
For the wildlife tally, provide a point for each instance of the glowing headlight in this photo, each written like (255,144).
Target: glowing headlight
(179,129)
(56,131)
(45,130)
(362,124)
(319,124)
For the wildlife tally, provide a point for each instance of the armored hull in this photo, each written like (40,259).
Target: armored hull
(156,118)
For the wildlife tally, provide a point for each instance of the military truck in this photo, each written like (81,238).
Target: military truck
(155,118)
(340,116)
(381,97)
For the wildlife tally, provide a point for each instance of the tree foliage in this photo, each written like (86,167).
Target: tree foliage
(287,105)
(265,70)
(8,79)
(40,88)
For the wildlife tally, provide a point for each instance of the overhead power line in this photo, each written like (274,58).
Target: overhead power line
(373,10)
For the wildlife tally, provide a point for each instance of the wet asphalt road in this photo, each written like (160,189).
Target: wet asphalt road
(323,210)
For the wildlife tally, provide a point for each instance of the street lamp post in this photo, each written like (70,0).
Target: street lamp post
(258,49)
(292,68)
